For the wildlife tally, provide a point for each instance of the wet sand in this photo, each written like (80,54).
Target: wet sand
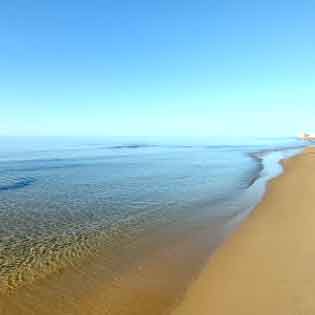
(149,280)
(267,266)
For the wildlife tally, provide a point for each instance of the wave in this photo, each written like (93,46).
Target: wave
(259,168)
(15,183)
(259,156)
(261,153)
(133,146)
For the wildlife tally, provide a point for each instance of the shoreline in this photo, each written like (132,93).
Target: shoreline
(265,266)
(119,291)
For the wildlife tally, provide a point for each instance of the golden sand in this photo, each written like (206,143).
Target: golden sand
(268,265)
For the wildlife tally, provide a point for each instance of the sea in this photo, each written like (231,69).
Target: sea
(137,202)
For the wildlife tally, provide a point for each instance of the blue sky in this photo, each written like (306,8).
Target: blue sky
(157,67)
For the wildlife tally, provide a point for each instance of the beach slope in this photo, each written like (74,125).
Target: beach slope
(268,265)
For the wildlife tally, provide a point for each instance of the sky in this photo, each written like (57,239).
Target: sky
(157,68)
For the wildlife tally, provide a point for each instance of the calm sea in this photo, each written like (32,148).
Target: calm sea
(63,200)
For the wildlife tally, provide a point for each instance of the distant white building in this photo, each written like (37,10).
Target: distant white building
(307,136)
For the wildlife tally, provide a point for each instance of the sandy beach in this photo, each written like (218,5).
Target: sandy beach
(267,266)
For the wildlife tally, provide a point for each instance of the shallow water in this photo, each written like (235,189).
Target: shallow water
(65,201)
